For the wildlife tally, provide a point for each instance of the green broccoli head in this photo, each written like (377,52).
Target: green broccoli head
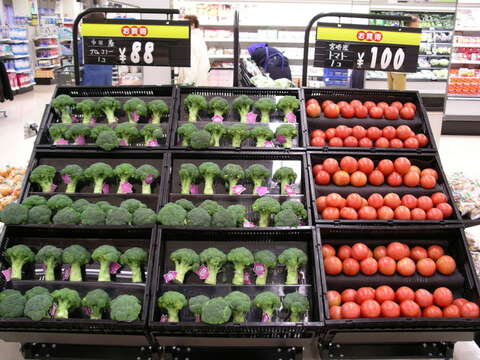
(285,133)
(147,174)
(240,304)
(98,129)
(105,206)
(185,260)
(238,133)
(268,260)
(67,216)
(297,207)
(195,305)
(297,304)
(232,174)
(88,109)
(239,213)
(127,133)
(211,206)
(124,172)
(40,215)
(172,214)
(92,216)
(266,106)
(284,176)
(288,104)
(200,140)
(157,109)
(135,108)
(218,106)
(108,106)
(78,133)
(37,290)
(132,205)
(8,292)
(50,256)
(12,305)
(223,218)
(97,302)
(173,302)
(66,300)
(107,140)
(144,217)
(185,132)
(71,175)
(43,176)
(17,256)
(286,218)
(216,311)
(209,171)
(98,172)
(135,258)
(292,258)
(14,214)
(186,204)
(58,134)
(118,216)
(268,302)
(125,308)
(261,134)
(265,206)
(59,202)
(34,200)
(38,307)
(242,105)
(194,104)
(76,256)
(240,257)
(188,174)
(214,260)
(216,130)
(80,205)
(64,105)
(199,217)
(257,173)
(105,255)
(151,134)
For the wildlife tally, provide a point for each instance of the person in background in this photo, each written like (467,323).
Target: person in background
(271,60)
(197,73)
(398,81)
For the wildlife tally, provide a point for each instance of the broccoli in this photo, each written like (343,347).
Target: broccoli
(66,300)
(261,134)
(71,175)
(292,258)
(67,216)
(125,308)
(286,218)
(216,311)
(218,106)
(78,133)
(223,218)
(108,106)
(105,255)
(107,140)
(92,215)
(239,212)
(105,206)
(50,256)
(232,174)
(284,176)
(266,106)
(285,133)
(240,304)
(268,260)
(127,133)
(38,307)
(40,215)
(242,105)
(265,206)
(14,214)
(157,109)
(216,130)
(135,108)
(185,260)
(80,205)
(76,256)
(297,304)
(268,302)
(151,134)
(98,129)
(57,133)
(147,175)
(9,292)
(132,205)
(135,258)
(43,176)
(172,214)
(143,217)
(12,305)
(194,104)
(124,172)
(200,140)
(64,105)
(199,217)
(186,204)
(257,173)
(88,108)
(209,171)
(59,202)
(98,172)
(238,133)
(17,256)
(214,260)
(195,305)
(185,132)
(297,207)
(288,104)
(118,216)
(37,290)
(34,200)
(240,257)
(188,175)
(96,301)
(173,302)
(211,206)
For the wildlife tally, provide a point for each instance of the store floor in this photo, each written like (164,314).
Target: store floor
(458,153)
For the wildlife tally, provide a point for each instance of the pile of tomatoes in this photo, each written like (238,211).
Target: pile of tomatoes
(388,207)
(396,258)
(360,172)
(358,136)
(367,302)
(356,108)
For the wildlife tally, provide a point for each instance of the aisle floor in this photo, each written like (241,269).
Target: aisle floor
(458,153)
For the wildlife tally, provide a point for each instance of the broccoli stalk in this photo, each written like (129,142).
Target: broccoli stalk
(238,133)
(50,256)
(98,172)
(242,105)
(135,108)
(157,109)
(88,108)
(43,176)
(284,176)
(188,174)
(266,106)
(71,175)
(240,257)
(185,260)
(257,173)
(64,105)
(268,260)
(18,256)
(66,300)
(288,104)
(185,132)
(147,175)
(135,258)
(105,255)
(266,207)
(216,130)
(240,304)
(124,172)
(108,106)
(268,302)
(58,133)
(261,134)
(232,174)
(297,304)
(214,260)
(209,171)
(173,302)
(76,256)
(97,301)
(286,132)
(127,132)
(151,134)
(194,104)
(218,106)
(292,258)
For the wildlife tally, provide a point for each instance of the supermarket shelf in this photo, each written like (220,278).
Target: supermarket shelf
(46,47)
(433,68)
(23,71)
(435,43)
(408,79)
(16,56)
(45,37)
(249,42)
(463,29)
(436,30)
(464,97)
(13,41)
(466,45)
(48,58)
(435,55)
(48,66)
(466,62)
(250,26)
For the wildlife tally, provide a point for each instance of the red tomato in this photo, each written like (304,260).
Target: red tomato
(425,203)
(411,143)
(386,166)
(404,132)
(432,311)
(387,266)
(312,101)
(376,178)
(365,143)
(350,310)
(389,132)
(394,179)
(330,213)
(397,104)
(354,201)
(396,250)
(446,265)
(347,111)
(402,165)
(407,113)
(322,178)
(435,214)
(409,308)
(330,133)
(325,103)
(367,213)
(396,143)
(385,213)
(317,133)
(328,250)
(370,309)
(356,103)
(390,309)
(335,200)
(374,133)
(404,293)
(451,311)
(439,198)
(351,267)
(341,178)
(342,103)
(348,295)
(350,141)
(334,298)
(435,252)
(375,200)
(442,297)
(317,141)
(335,312)
(359,132)
(332,265)
(384,293)
(321,203)
(369,104)
(330,165)
(365,165)
(410,105)
(365,293)
(470,310)
(313,110)
(422,140)
(402,213)
(344,252)
(392,200)
(382,142)
(361,112)
(459,302)
(358,179)
(368,266)
(418,253)
(316,169)
(406,250)
(406,267)
(426,267)
(411,179)
(391,113)
(379,252)
(335,142)
(343,131)
(427,181)
(348,213)
(446,209)
(409,201)
(376,112)
(349,164)
(415,169)
(383,105)
(359,251)
(331,111)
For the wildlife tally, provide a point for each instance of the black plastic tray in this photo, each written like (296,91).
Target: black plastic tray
(232,117)
(422,160)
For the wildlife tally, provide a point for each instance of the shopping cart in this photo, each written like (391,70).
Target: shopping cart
(65,75)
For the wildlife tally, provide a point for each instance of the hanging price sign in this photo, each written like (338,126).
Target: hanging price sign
(136,42)
(366,47)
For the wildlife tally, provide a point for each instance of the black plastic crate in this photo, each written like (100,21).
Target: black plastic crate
(420,124)
(275,241)
(421,160)
(232,117)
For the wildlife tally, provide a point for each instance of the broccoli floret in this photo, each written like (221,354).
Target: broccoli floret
(288,104)
(12,305)
(93,215)
(172,214)
(18,256)
(242,105)
(195,305)
(66,216)
(108,106)
(240,304)
(80,205)
(173,302)
(292,258)
(34,200)
(268,260)
(257,173)
(209,171)
(71,175)
(285,133)
(43,176)
(213,260)
(265,206)
(58,133)
(216,130)
(132,205)
(96,301)
(151,134)
(98,129)
(261,134)
(125,308)
(268,302)
(185,132)
(157,109)
(188,174)
(211,206)
(88,108)
(185,260)
(218,106)
(147,174)
(239,212)
(118,216)
(200,140)
(105,206)
(232,174)
(78,133)
(105,255)
(199,217)
(194,104)
(124,172)
(143,217)
(8,292)
(38,307)
(135,108)
(40,215)
(59,202)
(238,133)
(98,172)
(297,207)
(286,218)
(66,300)
(107,140)
(64,105)
(127,133)
(240,257)
(76,256)
(37,290)
(223,218)
(135,258)
(50,256)
(284,176)
(297,304)
(14,214)
(186,204)
(216,311)
(266,106)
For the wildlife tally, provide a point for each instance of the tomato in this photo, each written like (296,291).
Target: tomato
(425,203)
(341,178)
(404,132)
(376,112)
(410,105)
(328,250)
(383,105)
(317,133)
(354,201)
(347,111)
(348,213)
(415,169)
(439,198)
(422,140)
(321,203)
(361,112)
(375,200)
(396,250)
(359,251)
(426,267)
(330,213)
(367,213)
(459,302)
(369,104)
(368,266)
(351,267)
(379,252)
(406,250)
(418,253)
(313,110)
(356,103)
(435,252)
(349,164)
(343,131)
(434,214)
(470,310)
(451,311)
(394,179)
(431,172)
(348,295)
(446,209)
(342,103)
(409,308)
(423,298)
(387,266)
(365,165)
(335,142)
(402,213)
(350,310)
(316,169)
(391,113)
(386,166)
(411,179)
(322,178)
(382,142)
(332,265)
(312,101)
(446,265)
(358,179)
(396,143)
(350,141)
(442,297)
(334,298)
(359,132)
(331,111)
(325,103)
(384,293)
(390,309)
(330,133)
(432,311)
(365,142)
(404,293)
(374,133)
(335,312)
(397,104)
(370,309)
(406,267)
(407,113)
(317,141)
(389,132)
(376,178)
(409,201)
(402,165)
(364,293)
(392,200)
(411,143)
(335,200)
(330,165)
(385,213)
(344,252)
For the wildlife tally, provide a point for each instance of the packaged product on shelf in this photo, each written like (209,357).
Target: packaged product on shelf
(11,179)
(466,192)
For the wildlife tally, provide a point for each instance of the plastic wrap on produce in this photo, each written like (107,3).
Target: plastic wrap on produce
(476,261)
(11,179)
(466,193)
(473,239)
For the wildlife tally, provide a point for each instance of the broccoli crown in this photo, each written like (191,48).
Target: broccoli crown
(104,205)
(97,301)
(194,102)
(288,104)
(107,140)
(135,105)
(76,254)
(87,106)
(172,214)
(98,171)
(218,106)
(124,171)
(232,172)
(59,202)
(68,298)
(286,218)
(80,205)
(242,104)
(108,104)
(296,303)
(186,257)
(296,206)
(257,172)
(12,305)
(209,169)
(157,108)
(239,301)
(287,130)
(134,257)
(266,205)
(67,216)
(292,257)
(125,308)
(238,131)
(215,129)
(265,105)
(63,103)
(223,218)
(265,257)
(144,216)
(186,204)
(261,133)
(152,132)
(92,215)
(37,290)
(211,206)
(77,130)
(118,216)
(267,301)
(172,300)
(216,311)
(74,171)
(239,212)
(213,257)
(98,129)
(199,217)
(196,303)
(200,140)
(8,292)
(40,214)
(147,172)
(14,214)
(106,254)
(132,205)
(43,176)
(38,307)
(240,256)
(186,131)
(49,253)
(19,254)
(34,200)
(57,131)
(285,175)
(126,131)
